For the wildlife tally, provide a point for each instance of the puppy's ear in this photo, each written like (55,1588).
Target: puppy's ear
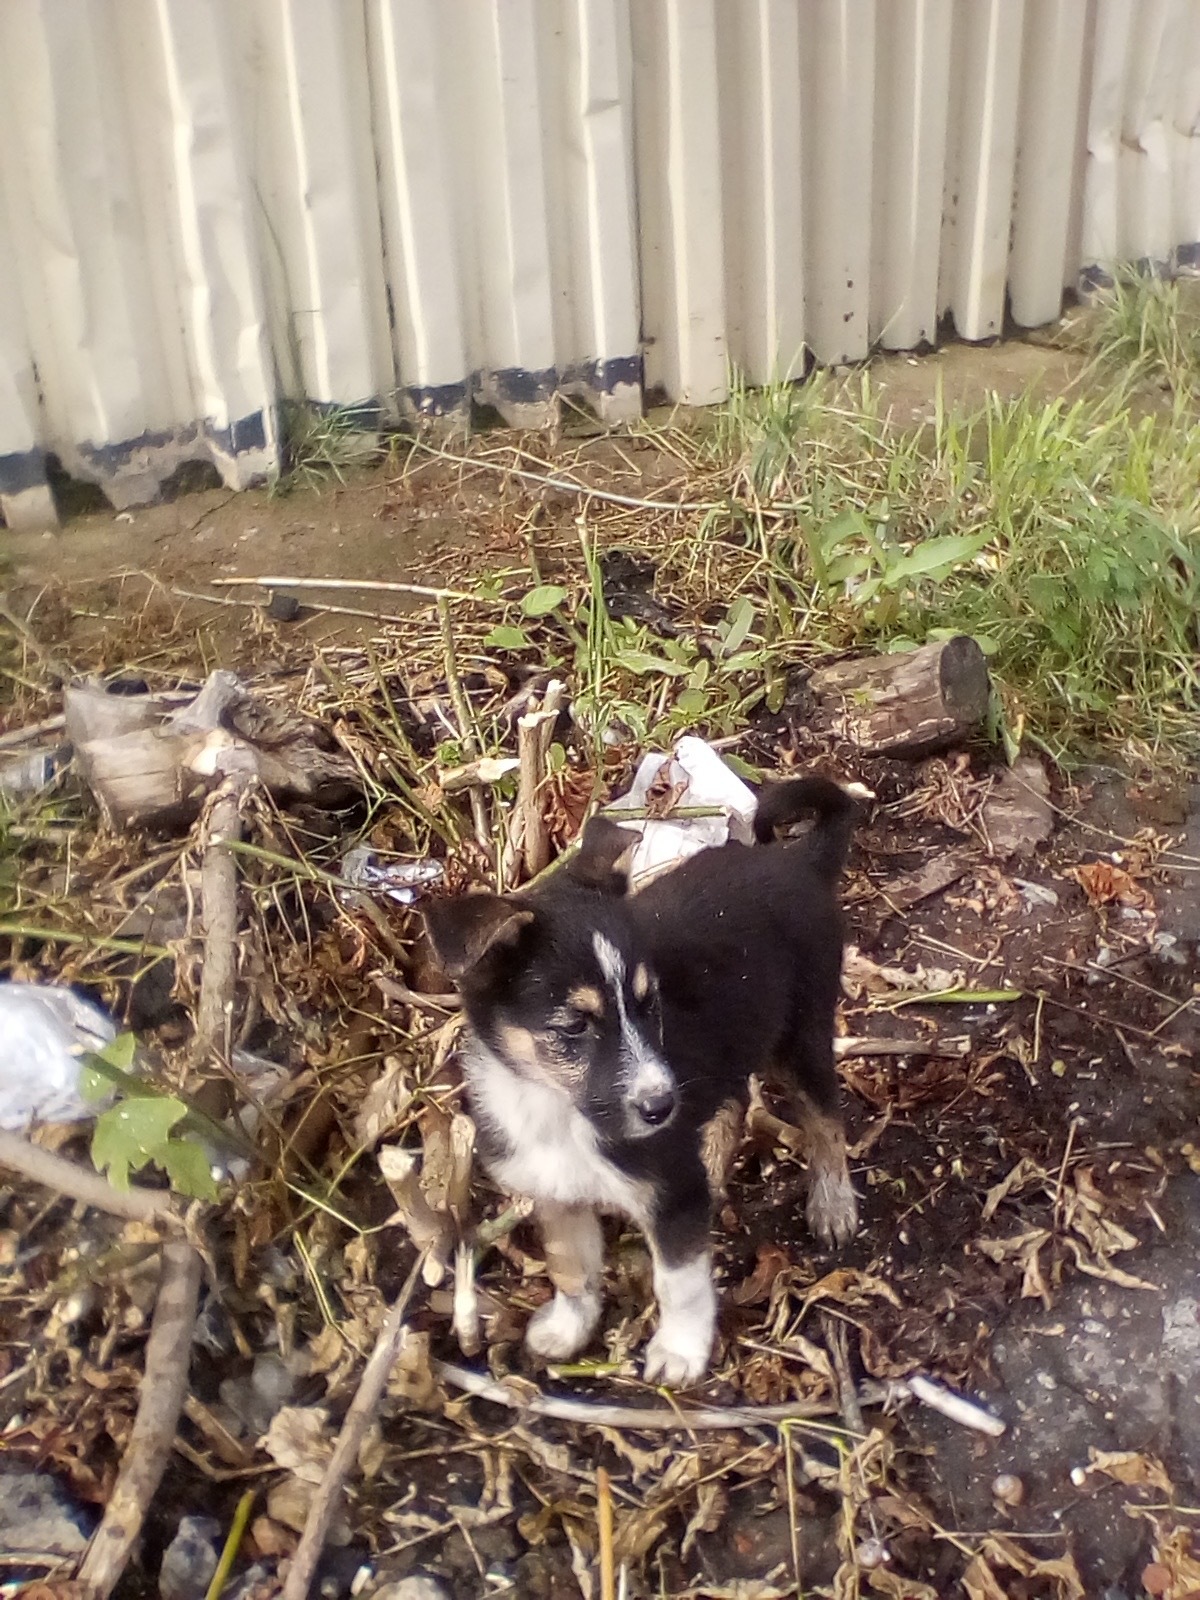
(604,856)
(462,931)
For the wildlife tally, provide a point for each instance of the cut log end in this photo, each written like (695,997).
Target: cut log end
(963,676)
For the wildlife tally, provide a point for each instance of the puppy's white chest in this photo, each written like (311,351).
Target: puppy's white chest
(549,1150)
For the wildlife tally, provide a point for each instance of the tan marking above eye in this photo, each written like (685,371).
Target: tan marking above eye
(586,998)
(641,982)
(520,1046)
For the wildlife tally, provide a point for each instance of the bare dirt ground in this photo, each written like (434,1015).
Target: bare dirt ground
(1031,1210)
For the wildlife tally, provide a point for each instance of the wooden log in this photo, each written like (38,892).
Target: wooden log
(909,704)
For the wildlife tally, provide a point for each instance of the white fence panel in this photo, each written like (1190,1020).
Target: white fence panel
(409,207)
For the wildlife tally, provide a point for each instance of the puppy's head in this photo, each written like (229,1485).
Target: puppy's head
(554,985)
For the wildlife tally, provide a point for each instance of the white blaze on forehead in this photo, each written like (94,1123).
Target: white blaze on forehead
(612,963)
(645,1073)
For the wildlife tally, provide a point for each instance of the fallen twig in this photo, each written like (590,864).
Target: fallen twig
(362,1409)
(528,836)
(19,736)
(854,1046)
(77,1183)
(164,1385)
(969,1413)
(604,1529)
(670,1418)
(218,892)
(309,605)
(568,485)
(462,711)
(393,990)
(837,1344)
(366,585)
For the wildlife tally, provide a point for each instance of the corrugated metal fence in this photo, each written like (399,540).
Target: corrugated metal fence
(410,205)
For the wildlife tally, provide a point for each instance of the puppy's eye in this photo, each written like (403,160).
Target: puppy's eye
(574,1027)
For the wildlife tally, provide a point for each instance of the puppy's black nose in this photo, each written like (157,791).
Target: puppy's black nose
(657,1108)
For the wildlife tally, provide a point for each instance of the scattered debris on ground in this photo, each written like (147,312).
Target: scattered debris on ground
(293,1346)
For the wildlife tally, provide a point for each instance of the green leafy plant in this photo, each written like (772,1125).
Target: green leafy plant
(144,1127)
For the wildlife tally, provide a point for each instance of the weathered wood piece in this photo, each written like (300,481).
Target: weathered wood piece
(148,763)
(909,704)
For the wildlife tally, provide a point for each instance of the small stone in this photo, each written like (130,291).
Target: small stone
(417,1586)
(190,1559)
(1017,816)
(283,607)
(35,1515)
(273,1384)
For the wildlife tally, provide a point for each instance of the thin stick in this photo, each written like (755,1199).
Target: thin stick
(568,486)
(855,1047)
(35,730)
(164,1385)
(77,1183)
(604,1519)
(462,711)
(1062,1171)
(362,1409)
(392,990)
(363,584)
(666,1418)
(793,1519)
(530,838)
(955,1406)
(310,605)
(218,893)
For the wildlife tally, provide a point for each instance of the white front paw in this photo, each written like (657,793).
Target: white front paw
(560,1329)
(677,1356)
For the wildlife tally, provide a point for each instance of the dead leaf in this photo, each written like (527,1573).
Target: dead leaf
(1131,1467)
(1024,1173)
(712,1505)
(411,1377)
(756,1287)
(862,976)
(385,1103)
(271,1538)
(849,1287)
(1103,882)
(897,1587)
(998,1550)
(636,1534)
(1174,1574)
(299,1440)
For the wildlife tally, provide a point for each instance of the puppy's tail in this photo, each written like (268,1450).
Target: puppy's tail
(835,809)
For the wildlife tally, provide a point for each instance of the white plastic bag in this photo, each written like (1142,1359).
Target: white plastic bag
(44,1034)
(702,780)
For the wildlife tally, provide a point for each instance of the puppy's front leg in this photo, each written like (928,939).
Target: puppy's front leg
(683,1283)
(574,1249)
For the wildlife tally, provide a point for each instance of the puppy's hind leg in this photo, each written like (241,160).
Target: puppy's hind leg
(832,1209)
(574,1249)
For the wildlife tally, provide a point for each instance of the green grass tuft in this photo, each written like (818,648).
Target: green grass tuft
(320,443)
(1148,328)
(1063,534)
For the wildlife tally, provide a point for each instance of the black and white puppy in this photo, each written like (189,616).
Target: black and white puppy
(606,1029)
